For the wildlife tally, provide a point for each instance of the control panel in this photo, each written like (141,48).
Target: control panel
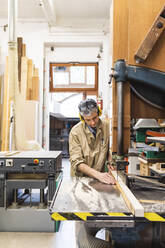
(31,162)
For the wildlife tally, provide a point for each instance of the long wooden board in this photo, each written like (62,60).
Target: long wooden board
(132,203)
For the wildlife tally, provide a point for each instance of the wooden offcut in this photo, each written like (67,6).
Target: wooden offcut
(132,203)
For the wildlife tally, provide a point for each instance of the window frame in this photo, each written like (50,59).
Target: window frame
(92,91)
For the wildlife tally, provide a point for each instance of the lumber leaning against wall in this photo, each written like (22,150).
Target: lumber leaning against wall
(131,22)
(25,106)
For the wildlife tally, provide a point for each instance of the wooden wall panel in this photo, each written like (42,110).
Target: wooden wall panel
(131,22)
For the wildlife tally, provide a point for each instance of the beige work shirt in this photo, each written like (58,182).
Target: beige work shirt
(85,148)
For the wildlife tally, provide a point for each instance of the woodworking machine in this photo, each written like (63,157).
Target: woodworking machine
(23,174)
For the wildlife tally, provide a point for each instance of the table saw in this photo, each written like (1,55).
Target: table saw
(100,205)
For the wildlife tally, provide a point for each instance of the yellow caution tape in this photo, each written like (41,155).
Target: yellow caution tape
(83,216)
(57,217)
(116,214)
(153,217)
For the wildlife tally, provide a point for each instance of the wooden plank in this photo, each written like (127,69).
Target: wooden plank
(30,116)
(132,203)
(35,89)
(19,48)
(11,153)
(36,72)
(24,69)
(5,113)
(29,78)
(151,201)
(26,116)
(23,50)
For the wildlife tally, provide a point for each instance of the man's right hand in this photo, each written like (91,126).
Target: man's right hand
(105,177)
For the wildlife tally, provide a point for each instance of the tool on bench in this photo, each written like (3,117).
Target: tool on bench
(151,38)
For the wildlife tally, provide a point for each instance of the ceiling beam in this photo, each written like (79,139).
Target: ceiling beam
(48,7)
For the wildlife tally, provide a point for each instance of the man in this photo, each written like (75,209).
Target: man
(89,144)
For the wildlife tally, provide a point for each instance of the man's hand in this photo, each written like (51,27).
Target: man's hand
(105,177)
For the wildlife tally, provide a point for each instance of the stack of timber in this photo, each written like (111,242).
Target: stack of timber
(20,105)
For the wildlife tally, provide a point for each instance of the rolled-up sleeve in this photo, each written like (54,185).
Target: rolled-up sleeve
(75,151)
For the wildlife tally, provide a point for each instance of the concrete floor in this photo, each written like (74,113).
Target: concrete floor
(64,238)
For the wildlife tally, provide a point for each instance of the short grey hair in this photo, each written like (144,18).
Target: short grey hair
(88,106)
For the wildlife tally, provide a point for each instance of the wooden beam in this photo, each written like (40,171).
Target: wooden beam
(24,70)
(23,50)
(132,203)
(19,48)
(36,72)
(35,89)
(29,78)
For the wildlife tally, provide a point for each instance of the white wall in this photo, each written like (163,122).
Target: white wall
(36,36)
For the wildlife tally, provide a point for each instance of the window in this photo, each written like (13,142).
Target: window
(77,77)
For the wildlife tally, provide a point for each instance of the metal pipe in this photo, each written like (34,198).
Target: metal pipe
(12,17)
(12,71)
(15,195)
(41,195)
(30,192)
(120,118)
